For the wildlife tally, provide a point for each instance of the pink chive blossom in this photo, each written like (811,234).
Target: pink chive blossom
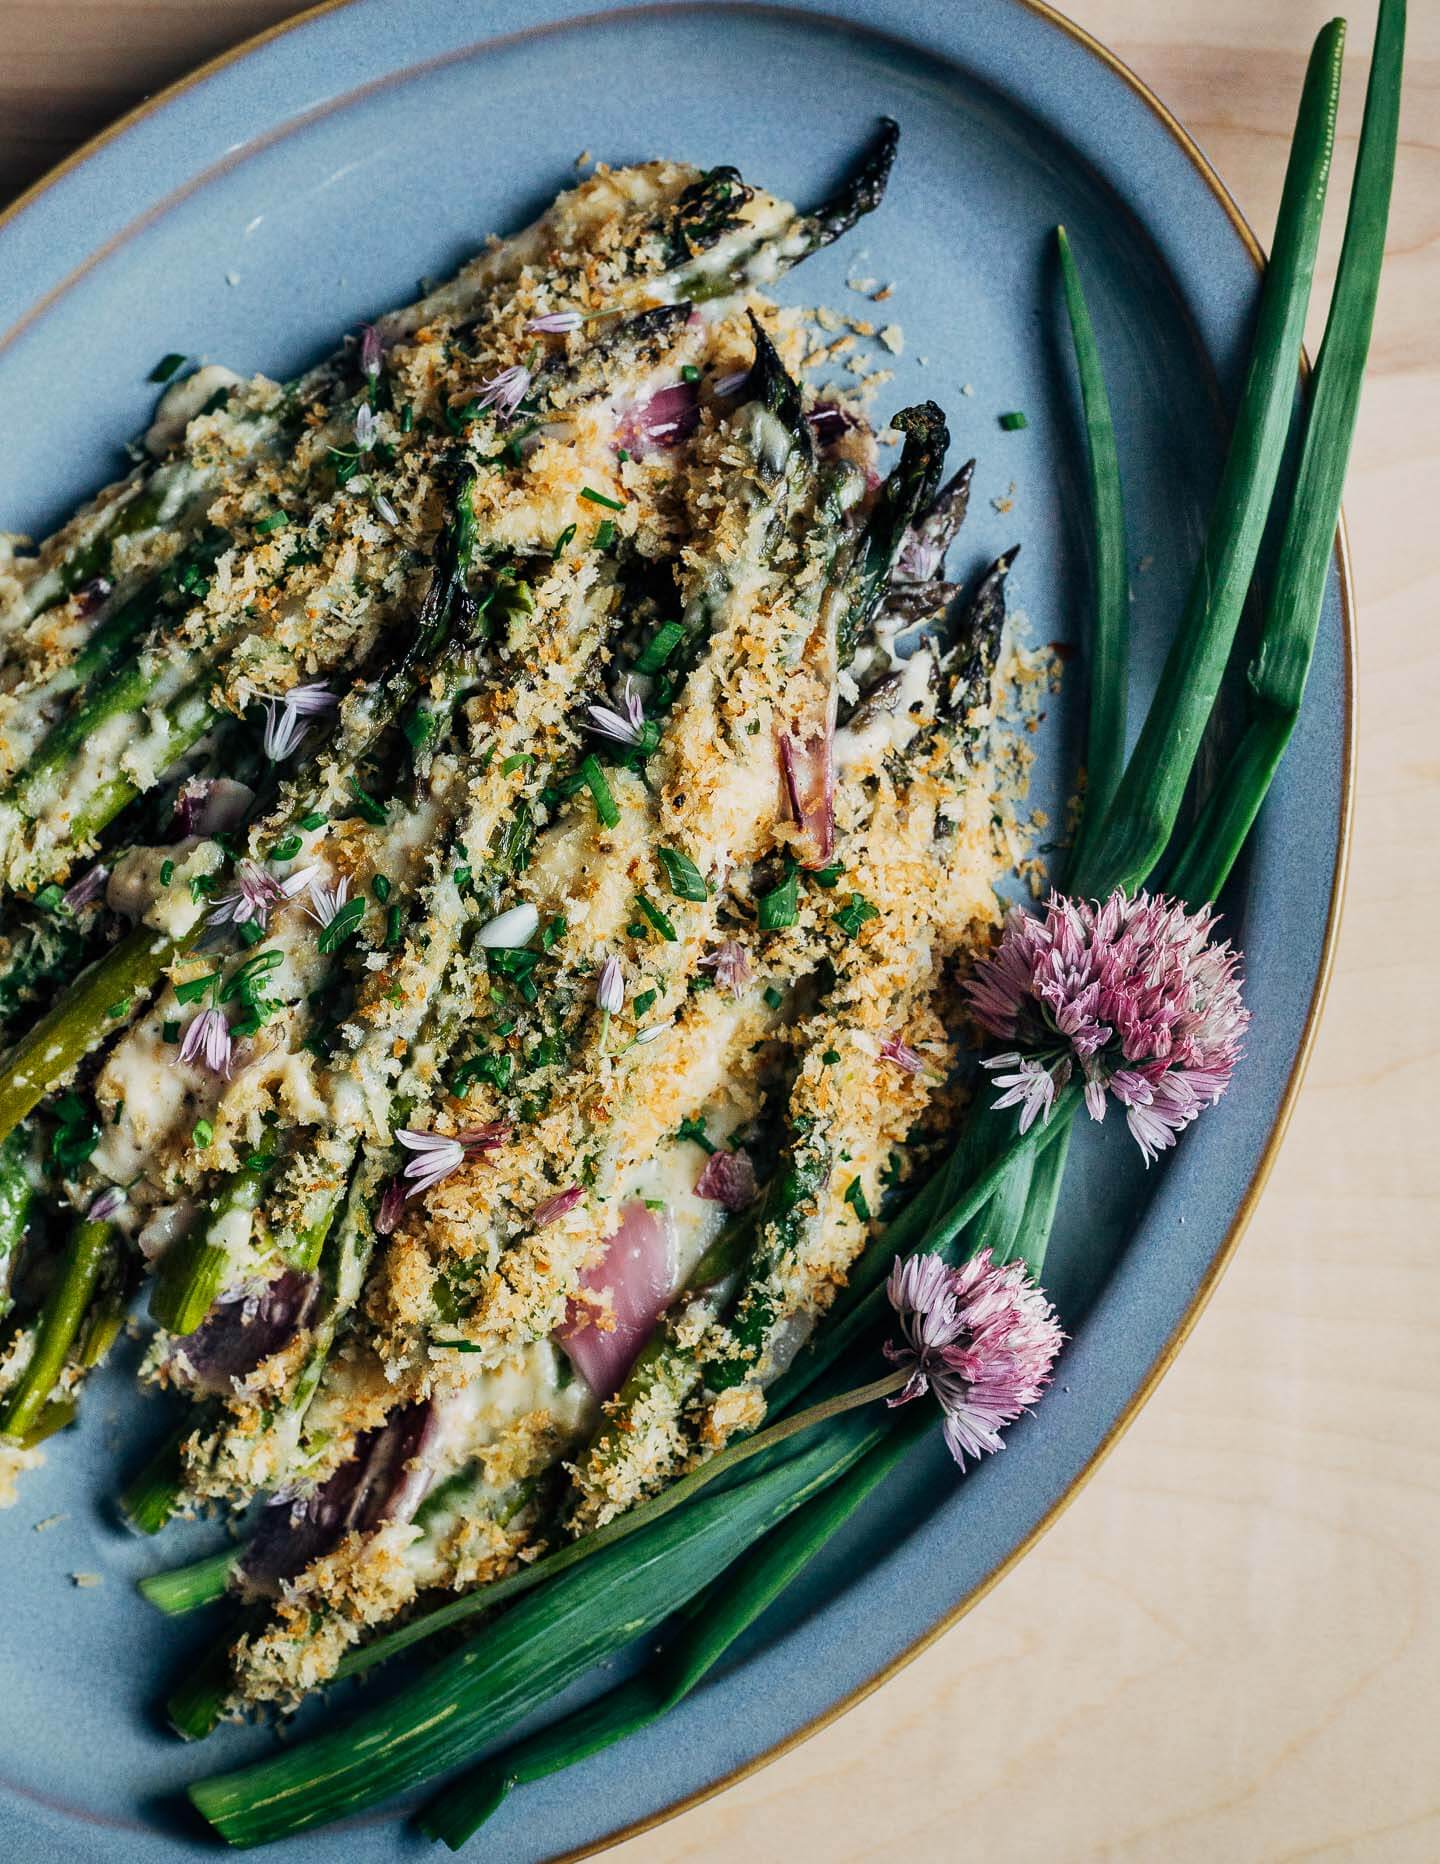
(555,323)
(730,965)
(438,1155)
(385,511)
(372,352)
(554,1208)
(391,1204)
(207,1042)
(982,1338)
(1132,992)
(256,894)
(88,888)
(504,392)
(610,989)
(732,383)
(728,1179)
(626,726)
(364,427)
(324,903)
(900,1055)
(105,1204)
(286,716)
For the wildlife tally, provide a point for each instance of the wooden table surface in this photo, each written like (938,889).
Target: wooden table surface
(1228,1647)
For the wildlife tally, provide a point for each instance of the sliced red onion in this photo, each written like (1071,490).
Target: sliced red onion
(663,420)
(828,420)
(728,1179)
(243,1331)
(212,805)
(391,1205)
(556,1207)
(808,766)
(386,1480)
(88,887)
(637,1271)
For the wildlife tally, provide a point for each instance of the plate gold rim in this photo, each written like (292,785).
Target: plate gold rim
(1284,1112)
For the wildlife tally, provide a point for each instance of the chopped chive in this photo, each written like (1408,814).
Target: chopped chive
(341,926)
(661,645)
(287,848)
(251,933)
(50,899)
(781,905)
(662,924)
(370,810)
(313,821)
(196,988)
(773,996)
(593,777)
(563,542)
(380,887)
(855,1198)
(694,1130)
(122,1008)
(604,534)
(830,1057)
(552,930)
(202,1133)
(686,880)
(170,1032)
(1013,422)
(599,498)
(167,872)
(273,522)
(522,760)
(645,1001)
(407,418)
(828,876)
(854,914)
(394,926)
(166,367)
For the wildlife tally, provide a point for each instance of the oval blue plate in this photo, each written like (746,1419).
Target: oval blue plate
(292,191)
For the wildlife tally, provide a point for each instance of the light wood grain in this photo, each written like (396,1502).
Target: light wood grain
(1228,1649)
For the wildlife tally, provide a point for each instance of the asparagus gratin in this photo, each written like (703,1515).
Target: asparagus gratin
(490,831)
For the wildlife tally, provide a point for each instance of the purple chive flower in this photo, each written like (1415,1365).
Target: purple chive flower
(728,1179)
(610,989)
(285,717)
(626,726)
(504,392)
(439,1155)
(256,894)
(391,1204)
(733,382)
(88,888)
(555,323)
(730,965)
(554,1208)
(982,1338)
(207,1042)
(902,1056)
(105,1204)
(1132,992)
(372,352)
(365,427)
(385,511)
(325,902)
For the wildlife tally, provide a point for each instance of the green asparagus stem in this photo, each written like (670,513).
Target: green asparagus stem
(50,1048)
(198,1267)
(16,1197)
(60,1320)
(187,1588)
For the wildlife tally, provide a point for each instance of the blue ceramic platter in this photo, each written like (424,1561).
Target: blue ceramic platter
(291,192)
